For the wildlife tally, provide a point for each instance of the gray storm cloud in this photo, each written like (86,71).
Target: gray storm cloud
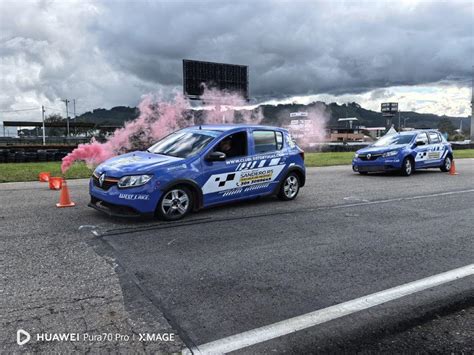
(110,53)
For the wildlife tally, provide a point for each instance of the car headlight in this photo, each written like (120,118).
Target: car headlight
(134,180)
(356,155)
(391,153)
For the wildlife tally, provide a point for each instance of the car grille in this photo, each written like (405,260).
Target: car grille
(108,182)
(372,156)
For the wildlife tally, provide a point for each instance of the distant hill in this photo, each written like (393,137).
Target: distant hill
(275,115)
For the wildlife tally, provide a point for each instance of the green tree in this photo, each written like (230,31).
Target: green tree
(54,131)
(446,126)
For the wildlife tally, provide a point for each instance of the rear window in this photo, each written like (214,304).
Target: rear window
(267,141)
(434,137)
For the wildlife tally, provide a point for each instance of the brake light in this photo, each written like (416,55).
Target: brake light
(302,154)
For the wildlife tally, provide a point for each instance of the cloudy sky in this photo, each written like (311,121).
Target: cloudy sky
(110,53)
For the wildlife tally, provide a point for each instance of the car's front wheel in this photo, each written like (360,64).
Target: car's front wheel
(407,166)
(289,188)
(448,161)
(176,203)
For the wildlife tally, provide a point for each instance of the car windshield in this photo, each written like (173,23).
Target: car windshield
(394,139)
(182,144)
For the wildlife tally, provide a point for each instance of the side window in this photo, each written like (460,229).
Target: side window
(434,138)
(234,145)
(422,137)
(267,141)
(279,139)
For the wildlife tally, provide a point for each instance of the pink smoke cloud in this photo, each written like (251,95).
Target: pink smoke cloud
(310,129)
(157,119)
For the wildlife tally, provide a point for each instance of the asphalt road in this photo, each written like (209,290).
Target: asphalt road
(230,269)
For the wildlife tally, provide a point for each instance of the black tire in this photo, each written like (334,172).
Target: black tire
(447,162)
(290,187)
(172,205)
(408,166)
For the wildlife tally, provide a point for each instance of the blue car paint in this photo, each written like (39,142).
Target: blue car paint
(216,182)
(430,155)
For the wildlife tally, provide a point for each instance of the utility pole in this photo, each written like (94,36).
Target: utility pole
(66,101)
(44,132)
(75,125)
(472,107)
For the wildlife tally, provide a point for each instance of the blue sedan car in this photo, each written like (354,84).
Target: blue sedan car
(405,152)
(199,167)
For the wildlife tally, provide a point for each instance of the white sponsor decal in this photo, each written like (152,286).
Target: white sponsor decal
(255,157)
(432,153)
(134,197)
(242,178)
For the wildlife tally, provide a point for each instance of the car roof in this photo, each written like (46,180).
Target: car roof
(416,131)
(228,127)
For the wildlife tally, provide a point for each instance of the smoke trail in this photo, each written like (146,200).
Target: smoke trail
(309,129)
(158,118)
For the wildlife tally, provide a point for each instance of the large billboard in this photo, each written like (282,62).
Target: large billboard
(227,77)
(389,108)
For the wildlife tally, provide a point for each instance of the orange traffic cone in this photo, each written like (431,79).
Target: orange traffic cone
(44,176)
(452,170)
(55,183)
(64,199)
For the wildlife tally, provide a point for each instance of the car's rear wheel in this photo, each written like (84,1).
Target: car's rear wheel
(407,166)
(176,203)
(289,188)
(448,161)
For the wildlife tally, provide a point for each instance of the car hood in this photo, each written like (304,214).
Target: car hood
(381,150)
(135,163)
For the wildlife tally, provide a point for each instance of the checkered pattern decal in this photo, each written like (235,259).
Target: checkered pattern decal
(229,177)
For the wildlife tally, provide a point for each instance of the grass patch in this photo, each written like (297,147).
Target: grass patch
(328,159)
(14,172)
(463,153)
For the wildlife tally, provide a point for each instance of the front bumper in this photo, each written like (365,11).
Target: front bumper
(380,164)
(129,202)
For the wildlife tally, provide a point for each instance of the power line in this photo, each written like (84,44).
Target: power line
(23,109)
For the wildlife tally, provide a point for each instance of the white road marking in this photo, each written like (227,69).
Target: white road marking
(398,199)
(288,326)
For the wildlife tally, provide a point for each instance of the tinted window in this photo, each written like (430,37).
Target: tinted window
(434,137)
(422,137)
(182,144)
(234,145)
(267,141)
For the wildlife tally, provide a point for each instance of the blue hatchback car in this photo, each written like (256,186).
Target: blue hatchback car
(405,152)
(197,167)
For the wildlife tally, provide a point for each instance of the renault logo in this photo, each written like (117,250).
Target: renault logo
(369,156)
(101,179)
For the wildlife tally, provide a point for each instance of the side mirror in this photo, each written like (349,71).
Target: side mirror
(420,142)
(216,156)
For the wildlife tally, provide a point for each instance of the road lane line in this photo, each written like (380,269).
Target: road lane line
(291,325)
